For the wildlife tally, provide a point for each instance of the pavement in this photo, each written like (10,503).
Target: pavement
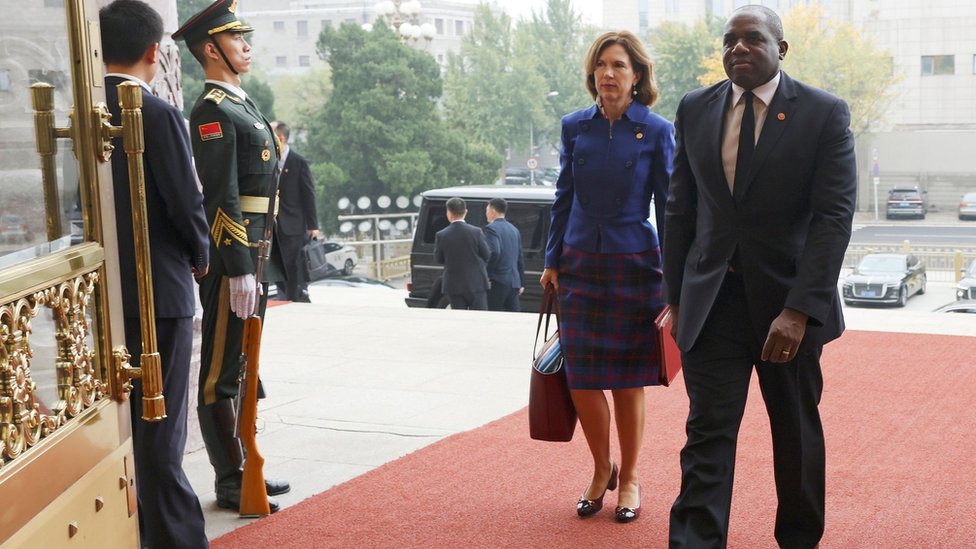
(356,379)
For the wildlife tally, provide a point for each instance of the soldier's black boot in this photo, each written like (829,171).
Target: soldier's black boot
(226,455)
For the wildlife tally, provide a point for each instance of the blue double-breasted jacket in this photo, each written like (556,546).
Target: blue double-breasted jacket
(608,177)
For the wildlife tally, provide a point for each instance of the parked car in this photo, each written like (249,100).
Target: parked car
(964,306)
(966,289)
(967,206)
(14,229)
(345,281)
(528,209)
(911,202)
(341,257)
(885,278)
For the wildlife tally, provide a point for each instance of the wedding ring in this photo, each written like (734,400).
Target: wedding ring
(786,351)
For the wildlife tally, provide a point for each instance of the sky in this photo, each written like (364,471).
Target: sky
(591,9)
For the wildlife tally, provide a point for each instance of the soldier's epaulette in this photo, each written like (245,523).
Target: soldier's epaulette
(216,96)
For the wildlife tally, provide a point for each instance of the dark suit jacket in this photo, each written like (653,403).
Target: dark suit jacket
(463,251)
(505,265)
(788,225)
(178,230)
(296,210)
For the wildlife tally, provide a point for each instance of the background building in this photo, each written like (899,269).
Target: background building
(286,31)
(930,129)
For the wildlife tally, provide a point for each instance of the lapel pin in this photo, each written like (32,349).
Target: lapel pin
(640,136)
(780,117)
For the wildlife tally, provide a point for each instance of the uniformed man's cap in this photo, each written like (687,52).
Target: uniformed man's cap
(221,16)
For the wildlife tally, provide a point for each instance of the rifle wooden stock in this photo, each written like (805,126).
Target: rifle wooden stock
(254,493)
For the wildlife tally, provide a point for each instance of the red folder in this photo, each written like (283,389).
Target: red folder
(669,356)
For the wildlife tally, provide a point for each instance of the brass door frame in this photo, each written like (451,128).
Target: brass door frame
(100,430)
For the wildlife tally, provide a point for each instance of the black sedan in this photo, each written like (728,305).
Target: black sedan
(885,278)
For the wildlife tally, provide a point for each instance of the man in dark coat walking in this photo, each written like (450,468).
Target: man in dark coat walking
(463,251)
(297,220)
(506,272)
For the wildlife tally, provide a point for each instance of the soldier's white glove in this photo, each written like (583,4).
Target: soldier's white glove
(243,295)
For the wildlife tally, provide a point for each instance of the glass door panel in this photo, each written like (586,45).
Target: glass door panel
(39,213)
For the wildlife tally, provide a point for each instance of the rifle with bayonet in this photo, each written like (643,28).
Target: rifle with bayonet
(254,492)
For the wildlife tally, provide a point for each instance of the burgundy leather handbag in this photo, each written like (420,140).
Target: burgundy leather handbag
(552,416)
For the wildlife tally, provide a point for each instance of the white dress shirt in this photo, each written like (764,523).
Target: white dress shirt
(733,121)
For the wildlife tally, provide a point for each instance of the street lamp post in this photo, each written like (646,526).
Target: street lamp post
(403,16)
(532,138)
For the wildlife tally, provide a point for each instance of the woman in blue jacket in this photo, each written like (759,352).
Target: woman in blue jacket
(604,257)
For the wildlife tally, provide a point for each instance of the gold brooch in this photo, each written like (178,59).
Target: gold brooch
(265,155)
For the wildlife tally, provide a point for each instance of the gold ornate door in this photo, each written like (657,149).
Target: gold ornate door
(66,471)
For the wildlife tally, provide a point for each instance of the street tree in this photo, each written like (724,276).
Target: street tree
(381,132)
(837,57)
(554,43)
(300,97)
(678,51)
(492,94)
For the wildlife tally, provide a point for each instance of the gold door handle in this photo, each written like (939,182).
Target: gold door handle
(150,370)
(46,135)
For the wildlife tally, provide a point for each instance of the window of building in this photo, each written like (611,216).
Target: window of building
(303,61)
(302,28)
(459,28)
(279,26)
(4,80)
(670,6)
(281,61)
(326,23)
(440,60)
(351,20)
(439,25)
(938,64)
(974,63)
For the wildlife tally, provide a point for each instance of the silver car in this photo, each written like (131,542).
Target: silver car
(966,289)
(967,206)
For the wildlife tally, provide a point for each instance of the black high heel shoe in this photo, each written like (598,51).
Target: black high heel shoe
(624,515)
(589,507)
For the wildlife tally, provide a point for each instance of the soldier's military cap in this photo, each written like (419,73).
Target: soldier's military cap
(221,16)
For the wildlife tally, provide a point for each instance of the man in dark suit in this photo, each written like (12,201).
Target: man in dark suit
(236,158)
(506,273)
(463,251)
(169,511)
(297,220)
(755,235)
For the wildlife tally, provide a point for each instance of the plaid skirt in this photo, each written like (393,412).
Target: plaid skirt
(607,307)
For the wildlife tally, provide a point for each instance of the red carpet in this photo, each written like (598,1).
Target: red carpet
(898,413)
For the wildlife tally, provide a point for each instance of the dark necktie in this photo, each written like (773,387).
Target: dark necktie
(747,141)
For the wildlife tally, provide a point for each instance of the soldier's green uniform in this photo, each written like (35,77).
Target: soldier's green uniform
(235,153)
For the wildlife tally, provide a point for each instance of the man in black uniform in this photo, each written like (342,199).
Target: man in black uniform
(236,154)
(169,511)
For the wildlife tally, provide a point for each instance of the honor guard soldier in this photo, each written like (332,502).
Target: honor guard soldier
(236,156)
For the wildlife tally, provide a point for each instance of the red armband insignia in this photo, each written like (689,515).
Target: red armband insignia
(210,131)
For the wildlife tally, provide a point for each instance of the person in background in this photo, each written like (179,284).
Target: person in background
(463,250)
(169,510)
(758,221)
(604,259)
(506,272)
(297,220)
(236,158)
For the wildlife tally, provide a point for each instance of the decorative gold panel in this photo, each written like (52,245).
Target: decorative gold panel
(25,417)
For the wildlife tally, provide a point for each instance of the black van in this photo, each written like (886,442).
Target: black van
(528,210)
